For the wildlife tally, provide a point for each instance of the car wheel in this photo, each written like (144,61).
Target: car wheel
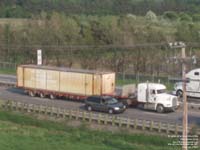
(89,108)
(160,109)
(110,111)
(179,93)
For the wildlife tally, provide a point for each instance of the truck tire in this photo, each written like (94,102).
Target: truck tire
(160,109)
(110,111)
(89,108)
(140,106)
(31,93)
(179,93)
(41,95)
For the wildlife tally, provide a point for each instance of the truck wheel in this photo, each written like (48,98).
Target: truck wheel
(160,109)
(179,93)
(42,95)
(110,111)
(89,108)
(31,93)
(140,106)
(51,96)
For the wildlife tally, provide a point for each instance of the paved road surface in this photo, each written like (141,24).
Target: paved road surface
(172,117)
(8,78)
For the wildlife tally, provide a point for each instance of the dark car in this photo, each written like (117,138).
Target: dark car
(104,103)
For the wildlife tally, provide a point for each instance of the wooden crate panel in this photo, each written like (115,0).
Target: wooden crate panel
(97,82)
(89,84)
(29,77)
(41,79)
(20,77)
(53,81)
(108,83)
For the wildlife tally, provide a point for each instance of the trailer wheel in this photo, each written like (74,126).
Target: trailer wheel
(51,96)
(179,93)
(31,93)
(160,109)
(42,95)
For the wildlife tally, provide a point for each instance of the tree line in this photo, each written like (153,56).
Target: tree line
(30,8)
(110,42)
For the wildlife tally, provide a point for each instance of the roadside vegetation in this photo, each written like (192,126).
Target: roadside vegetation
(25,132)
(110,35)
(8,71)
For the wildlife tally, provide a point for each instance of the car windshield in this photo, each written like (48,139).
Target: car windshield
(111,100)
(161,91)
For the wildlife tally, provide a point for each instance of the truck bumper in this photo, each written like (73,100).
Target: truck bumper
(167,109)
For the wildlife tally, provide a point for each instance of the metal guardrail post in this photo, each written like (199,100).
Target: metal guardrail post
(135,124)
(151,125)
(113,120)
(106,119)
(143,124)
(99,119)
(128,123)
(159,127)
(90,117)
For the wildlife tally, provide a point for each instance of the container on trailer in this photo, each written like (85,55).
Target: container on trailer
(65,80)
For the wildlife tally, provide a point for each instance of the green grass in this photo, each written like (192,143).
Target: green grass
(8,71)
(21,132)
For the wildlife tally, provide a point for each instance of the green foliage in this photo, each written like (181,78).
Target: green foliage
(151,16)
(185,17)
(196,17)
(24,8)
(170,15)
(7,71)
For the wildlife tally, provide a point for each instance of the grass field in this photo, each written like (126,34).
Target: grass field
(8,71)
(20,132)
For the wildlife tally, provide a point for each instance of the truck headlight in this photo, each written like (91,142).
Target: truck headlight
(116,108)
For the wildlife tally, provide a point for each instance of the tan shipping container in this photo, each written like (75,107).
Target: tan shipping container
(65,80)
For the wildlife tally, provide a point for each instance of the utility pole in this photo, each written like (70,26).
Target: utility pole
(185,107)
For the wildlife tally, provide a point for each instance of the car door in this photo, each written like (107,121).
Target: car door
(103,105)
(97,103)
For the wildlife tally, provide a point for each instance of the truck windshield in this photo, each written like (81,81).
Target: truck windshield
(111,100)
(161,91)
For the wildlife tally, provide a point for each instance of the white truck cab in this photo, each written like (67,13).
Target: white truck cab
(192,86)
(153,96)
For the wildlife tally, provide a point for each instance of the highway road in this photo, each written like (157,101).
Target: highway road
(8,78)
(11,93)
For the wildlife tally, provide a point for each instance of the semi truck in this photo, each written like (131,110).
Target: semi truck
(78,84)
(150,96)
(192,84)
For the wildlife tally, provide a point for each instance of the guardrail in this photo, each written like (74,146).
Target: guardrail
(7,84)
(191,106)
(99,118)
